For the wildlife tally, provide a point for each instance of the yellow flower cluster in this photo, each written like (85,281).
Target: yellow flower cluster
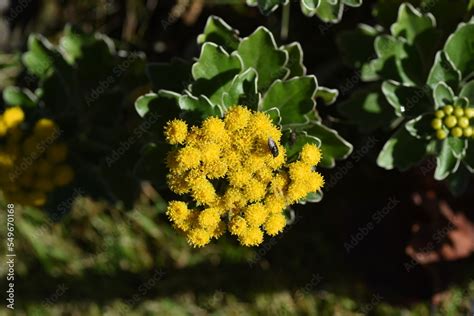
(32,164)
(235,176)
(453,120)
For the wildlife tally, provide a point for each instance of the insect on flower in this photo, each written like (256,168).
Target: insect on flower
(273,147)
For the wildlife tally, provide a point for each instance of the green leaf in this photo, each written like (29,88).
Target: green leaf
(443,70)
(460,49)
(202,105)
(295,60)
(19,97)
(174,76)
(38,59)
(310,5)
(353,3)
(420,127)
(328,96)
(333,146)
(458,146)
(293,98)
(267,6)
(411,23)
(368,109)
(217,31)
(330,11)
(294,141)
(243,91)
(402,151)
(446,162)
(467,91)
(164,104)
(458,182)
(407,101)
(274,114)
(214,72)
(259,51)
(469,156)
(357,46)
(443,94)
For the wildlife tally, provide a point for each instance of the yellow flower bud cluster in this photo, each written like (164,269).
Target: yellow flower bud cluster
(454,120)
(32,163)
(234,174)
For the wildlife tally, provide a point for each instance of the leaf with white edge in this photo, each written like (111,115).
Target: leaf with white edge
(443,95)
(19,97)
(294,140)
(163,103)
(411,22)
(407,101)
(469,157)
(328,95)
(274,114)
(293,98)
(368,109)
(295,60)
(174,76)
(310,5)
(461,101)
(243,90)
(402,151)
(357,46)
(333,146)
(259,51)
(217,31)
(312,197)
(443,70)
(458,146)
(420,127)
(214,72)
(458,182)
(460,48)
(446,162)
(268,6)
(353,3)
(201,105)
(467,91)
(38,59)
(330,12)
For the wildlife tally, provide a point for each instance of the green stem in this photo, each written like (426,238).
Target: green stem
(285,21)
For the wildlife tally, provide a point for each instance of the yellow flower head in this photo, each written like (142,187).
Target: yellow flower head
(275,224)
(253,237)
(310,154)
(198,237)
(236,178)
(238,226)
(209,218)
(45,128)
(176,131)
(13,116)
(33,165)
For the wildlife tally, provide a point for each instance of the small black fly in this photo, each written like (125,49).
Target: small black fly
(273,147)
